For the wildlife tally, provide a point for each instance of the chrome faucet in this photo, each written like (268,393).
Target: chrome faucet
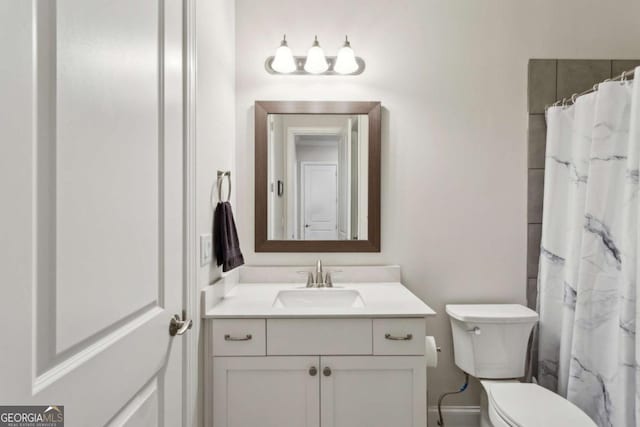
(319,280)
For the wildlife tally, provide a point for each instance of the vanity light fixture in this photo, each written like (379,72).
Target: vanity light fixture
(283,62)
(315,63)
(346,61)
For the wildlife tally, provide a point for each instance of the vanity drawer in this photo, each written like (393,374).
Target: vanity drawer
(318,336)
(398,336)
(238,337)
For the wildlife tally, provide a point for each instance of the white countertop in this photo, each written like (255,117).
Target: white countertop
(256,300)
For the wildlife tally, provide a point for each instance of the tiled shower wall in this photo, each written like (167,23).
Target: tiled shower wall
(550,80)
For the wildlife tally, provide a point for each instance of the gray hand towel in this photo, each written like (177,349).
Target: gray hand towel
(225,236)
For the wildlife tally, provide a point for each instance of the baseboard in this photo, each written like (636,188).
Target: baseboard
(455,416)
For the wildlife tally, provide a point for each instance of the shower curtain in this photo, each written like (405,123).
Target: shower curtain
(588,350)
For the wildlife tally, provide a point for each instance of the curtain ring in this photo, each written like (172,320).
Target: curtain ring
(573,98)
(596,87)
(623,78)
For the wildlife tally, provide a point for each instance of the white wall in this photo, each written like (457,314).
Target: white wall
(215,133)
(452,78)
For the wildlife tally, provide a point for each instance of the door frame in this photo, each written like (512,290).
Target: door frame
(344,147)
(291,171)
(190,371)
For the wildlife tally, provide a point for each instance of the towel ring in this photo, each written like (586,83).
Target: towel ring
(221,176)
(218,186)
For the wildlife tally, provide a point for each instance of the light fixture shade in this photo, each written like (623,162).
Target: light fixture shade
(283,62)
(346,60)
(316,62)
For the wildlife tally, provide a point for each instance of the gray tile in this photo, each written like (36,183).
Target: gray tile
(533,249)
(620,65)
(578,75)
(537,140)
(532,293)
(542,84)
(535,196)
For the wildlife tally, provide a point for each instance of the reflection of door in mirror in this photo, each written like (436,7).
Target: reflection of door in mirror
(319,207)
(318,158)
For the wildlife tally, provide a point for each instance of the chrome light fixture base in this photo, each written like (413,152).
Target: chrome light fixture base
(300,71)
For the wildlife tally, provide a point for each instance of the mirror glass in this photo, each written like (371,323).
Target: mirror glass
(317,177)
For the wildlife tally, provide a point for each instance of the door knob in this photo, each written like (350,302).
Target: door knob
(326,371)
(306,226)
(178,326)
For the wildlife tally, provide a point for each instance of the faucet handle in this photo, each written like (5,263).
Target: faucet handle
(328,281)
(309,278)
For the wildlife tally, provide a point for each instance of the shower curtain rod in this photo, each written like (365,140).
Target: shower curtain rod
(572,99)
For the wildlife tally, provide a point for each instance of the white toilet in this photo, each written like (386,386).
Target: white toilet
(490,343)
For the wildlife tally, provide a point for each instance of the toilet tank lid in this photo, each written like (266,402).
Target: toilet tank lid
(491,313)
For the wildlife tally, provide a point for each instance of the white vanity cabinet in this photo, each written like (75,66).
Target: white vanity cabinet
(317,372)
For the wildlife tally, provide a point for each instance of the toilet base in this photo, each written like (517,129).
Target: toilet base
(485,421)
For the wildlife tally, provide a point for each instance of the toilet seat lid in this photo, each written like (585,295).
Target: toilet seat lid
(530,405)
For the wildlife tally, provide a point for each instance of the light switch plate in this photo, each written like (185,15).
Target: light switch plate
(206,249)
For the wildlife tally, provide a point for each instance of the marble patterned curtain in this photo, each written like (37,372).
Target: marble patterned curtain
(588,351)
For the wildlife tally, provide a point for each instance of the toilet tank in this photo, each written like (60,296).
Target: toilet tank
(490,340)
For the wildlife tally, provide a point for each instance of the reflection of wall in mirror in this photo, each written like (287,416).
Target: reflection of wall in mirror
(363,177)
(355,178)
(276,169)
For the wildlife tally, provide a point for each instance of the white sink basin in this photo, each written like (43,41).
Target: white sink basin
(318,298)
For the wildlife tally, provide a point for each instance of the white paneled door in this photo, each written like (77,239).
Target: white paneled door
(320,200)
(91,178)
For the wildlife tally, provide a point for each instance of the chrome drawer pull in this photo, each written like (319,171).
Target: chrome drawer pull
(228,337)
(407,337)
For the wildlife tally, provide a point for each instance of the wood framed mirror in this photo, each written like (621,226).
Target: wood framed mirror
(317,176)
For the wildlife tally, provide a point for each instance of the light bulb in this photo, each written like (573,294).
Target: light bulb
(346,60)
(283,62)
(316,62)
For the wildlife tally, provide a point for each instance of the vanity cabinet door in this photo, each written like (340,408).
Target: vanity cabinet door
(266,391)
(373,391)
